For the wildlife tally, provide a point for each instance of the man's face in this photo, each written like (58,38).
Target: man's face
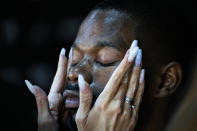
(100,45)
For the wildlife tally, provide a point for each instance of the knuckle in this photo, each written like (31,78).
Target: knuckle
(101,107)
(39,92)
(79,119)
(116,77)
(116,110)
(44,122)
(125,115)
(41,100)
(85,98)
(40,97)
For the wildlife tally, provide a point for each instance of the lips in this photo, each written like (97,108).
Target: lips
(71,99)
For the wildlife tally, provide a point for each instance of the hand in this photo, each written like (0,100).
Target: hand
(111,112)
(48,107)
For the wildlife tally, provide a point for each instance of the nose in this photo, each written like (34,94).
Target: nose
(74,72)
(73,76)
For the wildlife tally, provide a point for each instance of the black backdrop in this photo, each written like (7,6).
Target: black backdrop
(32,33)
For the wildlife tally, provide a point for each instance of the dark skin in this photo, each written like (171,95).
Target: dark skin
(100,45)
(98,50)
(116,38)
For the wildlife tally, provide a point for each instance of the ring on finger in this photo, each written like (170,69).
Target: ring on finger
(130,102)
(133,106)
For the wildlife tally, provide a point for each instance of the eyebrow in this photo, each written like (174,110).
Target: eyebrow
(101,44)
(106,43)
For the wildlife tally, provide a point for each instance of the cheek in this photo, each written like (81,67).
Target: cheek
(101,77)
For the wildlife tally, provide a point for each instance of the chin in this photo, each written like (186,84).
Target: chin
(67,120)
(73,114)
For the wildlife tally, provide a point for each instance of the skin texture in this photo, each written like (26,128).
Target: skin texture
(101,44)
(116,114)
(116,27)
(88,54)
(163,79)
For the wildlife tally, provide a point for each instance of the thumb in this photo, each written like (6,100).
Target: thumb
(41,100)
(85,98)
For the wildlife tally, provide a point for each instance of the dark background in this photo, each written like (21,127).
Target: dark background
(32,33)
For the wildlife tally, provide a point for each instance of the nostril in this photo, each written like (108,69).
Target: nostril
(76,79)
(73,76)
(69,79)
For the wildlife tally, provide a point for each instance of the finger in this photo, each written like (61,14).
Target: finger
(121,92)
(85,99)
(114,81)
(140,91)
(60,76)
(138,98)
(41,99)
(134,80)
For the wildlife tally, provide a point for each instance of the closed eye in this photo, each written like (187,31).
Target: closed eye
(74,64)
(106,64)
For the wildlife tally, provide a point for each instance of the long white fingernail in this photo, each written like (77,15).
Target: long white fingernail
(142,74)
(63,51)
(132,54)
(30,86)
(81,81)
(138,59)
(134,44)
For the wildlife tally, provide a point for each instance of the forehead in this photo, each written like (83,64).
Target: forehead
(109,26)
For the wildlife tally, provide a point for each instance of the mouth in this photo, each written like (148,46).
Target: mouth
(71,99)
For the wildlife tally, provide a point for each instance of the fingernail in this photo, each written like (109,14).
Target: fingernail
(138,59)
(81,81)
(132,54)
(142,74)
(133,45)
(30,86)
(63,51)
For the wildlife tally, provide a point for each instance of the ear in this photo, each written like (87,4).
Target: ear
(169,81)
